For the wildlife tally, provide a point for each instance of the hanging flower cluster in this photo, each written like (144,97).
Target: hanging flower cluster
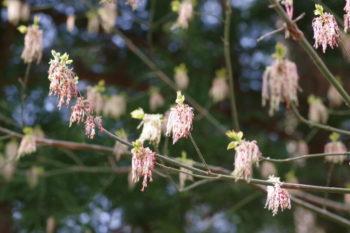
(185,174)
(120,148)
(326,30)
(180,119)
(335,147)
(181,76)
(33,42)
(152,126)
(289,5)
(247,153)
(347,16)
(317,111)
(219,89)
(156,100)
(70,22)
(142,163)
(185,12)
(333,96)
(63,84)
(108,14)
(28,143)
(280,81)
(16,11)
(277,197)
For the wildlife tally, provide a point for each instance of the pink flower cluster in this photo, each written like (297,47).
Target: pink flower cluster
(326,31)
(142,164)
(280,84)
(33,45)
(347,16)
(335,147)
(63,81)
(180,122)
(247,153)
(277,197)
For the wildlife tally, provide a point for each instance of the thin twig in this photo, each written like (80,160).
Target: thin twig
(199,152)
(308,156)
(227,52)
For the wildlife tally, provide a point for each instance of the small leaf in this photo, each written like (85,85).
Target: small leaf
(318,10)
(22,29)
(334,137)
(232,145)
(137,114)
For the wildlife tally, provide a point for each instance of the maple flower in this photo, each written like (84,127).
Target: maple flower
(277,197)
(326,30)
(95,99)
(28,143)
(335,147)
(90,127)
(267,169)
(219,89)
(115,106)
(317,111)
(142,164)
(347,16)
(14,11)
(80,110)
(152,128)
(181,77)
(184,173)
(185,12)
(280,81)
(120,148)
(334,98)
(63,81)
(288,4)
(180,119)
(33,43)
(93,23)
(70,23)
(247,153)
(108,13)
(156,100)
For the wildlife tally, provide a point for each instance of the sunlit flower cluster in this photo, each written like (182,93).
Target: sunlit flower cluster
(33,44)
(180,119)
(28,143)
(317,110)
(326,30)
(181,76)
(16,11)
(219,89)
(347,16)
(247,153)
(280,84)
(120,148)
(185,13)
(142,163)
(277,197)
(108,13)
(114,106)
(335,147)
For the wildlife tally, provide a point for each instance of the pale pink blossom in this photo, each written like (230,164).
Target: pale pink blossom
(335,147)
(247,153)
(27,145)
(180,120)
(90,127)
(25,12)
(326,31)
(152,128)
(11,149)
(219,89)
(280,84)
(80,110)
(317,111)
(288,4)
(347,16)
(334,98)
(95,99)
(115,106)
(290,122)
(63,81)
(70,22)
(50,224)
(156,100)
(185,12)
(108,13)
(181,77)
(33,45)
(119,148)
(267,169)
(142,163)
(277,197)
(14,11)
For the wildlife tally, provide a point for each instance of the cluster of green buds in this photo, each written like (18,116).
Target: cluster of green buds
(236,138)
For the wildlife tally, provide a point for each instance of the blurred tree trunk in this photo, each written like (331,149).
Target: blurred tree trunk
(5,218)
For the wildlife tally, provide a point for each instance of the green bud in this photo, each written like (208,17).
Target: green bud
(137,114)
(22,29)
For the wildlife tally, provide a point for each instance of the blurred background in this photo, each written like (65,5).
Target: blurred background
(82,191)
